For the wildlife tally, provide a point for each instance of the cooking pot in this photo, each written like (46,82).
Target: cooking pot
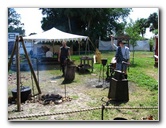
(25,92)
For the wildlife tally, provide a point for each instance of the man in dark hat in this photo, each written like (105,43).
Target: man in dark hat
(122,56)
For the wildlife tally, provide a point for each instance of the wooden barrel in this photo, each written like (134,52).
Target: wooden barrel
(69,73)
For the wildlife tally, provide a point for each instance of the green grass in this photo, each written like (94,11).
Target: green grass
(143,62)
(142,74)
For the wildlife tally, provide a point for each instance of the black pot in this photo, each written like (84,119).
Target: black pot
(25,92)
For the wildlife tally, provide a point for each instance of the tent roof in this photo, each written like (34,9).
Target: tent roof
(56,35)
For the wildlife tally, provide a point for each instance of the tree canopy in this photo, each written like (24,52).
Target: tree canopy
(14,24)
(153,21)
(92,22)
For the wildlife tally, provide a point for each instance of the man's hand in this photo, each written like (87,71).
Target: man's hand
(112,38)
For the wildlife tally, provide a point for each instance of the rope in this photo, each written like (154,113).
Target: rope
(51,114)
(76,111)
(112,107)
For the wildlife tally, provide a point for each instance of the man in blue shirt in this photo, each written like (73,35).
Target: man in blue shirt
(122,56)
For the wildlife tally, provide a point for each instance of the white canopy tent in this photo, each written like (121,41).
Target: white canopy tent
(54,35)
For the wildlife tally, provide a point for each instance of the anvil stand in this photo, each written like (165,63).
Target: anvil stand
(102,67)
(118,90)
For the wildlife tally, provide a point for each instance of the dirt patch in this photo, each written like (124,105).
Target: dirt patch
(83,92)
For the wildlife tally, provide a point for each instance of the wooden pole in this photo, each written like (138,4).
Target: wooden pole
(53,47)
(13,52)
(79,47)
(30,65)
(18,76)
(85,47)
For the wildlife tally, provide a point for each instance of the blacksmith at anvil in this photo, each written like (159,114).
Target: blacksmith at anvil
(122,56)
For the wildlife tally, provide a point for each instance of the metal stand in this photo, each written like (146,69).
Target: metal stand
(104,62)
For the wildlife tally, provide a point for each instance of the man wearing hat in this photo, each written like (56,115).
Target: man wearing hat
(122,56)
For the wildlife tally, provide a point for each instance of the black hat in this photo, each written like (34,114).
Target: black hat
(120,41)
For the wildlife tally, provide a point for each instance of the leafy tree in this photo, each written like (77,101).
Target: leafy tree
(133,30)
(92,22)
(151,44)
(153,21)
(14,24)
(13,17)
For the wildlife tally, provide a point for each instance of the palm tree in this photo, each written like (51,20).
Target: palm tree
(142,23)
(69,13)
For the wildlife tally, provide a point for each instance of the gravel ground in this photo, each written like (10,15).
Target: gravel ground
(51,83)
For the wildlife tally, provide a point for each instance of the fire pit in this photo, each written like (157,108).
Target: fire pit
(46,99)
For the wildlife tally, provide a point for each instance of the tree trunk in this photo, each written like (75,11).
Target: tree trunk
(89,22)
(133,55)
(69,23)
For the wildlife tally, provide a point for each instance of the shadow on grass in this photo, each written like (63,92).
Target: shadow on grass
(113,102)
(83,71)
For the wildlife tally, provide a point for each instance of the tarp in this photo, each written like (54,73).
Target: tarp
(106,45)
(55,35)
(141,46)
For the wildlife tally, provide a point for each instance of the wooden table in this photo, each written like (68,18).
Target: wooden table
(87,62)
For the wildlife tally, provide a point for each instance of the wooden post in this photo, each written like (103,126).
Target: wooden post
(18,76)
(30,65)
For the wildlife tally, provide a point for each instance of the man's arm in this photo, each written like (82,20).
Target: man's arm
(59,54)
(128,55)
(112,42)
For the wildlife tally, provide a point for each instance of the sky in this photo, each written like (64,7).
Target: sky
(31,17)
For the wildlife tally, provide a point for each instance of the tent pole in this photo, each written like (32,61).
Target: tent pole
(88,47)
(79,47)
(53,48)
(85,47)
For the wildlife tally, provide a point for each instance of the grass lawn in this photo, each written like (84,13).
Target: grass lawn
(143,92)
